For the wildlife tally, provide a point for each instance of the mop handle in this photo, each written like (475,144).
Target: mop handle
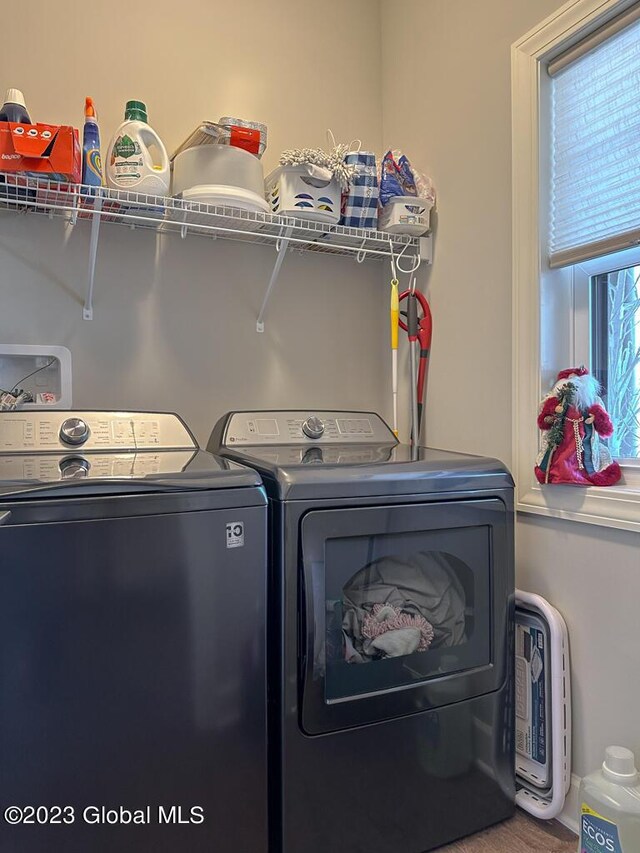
(412,330)
(394,317)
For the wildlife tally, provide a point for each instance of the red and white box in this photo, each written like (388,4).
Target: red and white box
(47,151)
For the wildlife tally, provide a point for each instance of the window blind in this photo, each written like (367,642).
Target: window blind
(595,180)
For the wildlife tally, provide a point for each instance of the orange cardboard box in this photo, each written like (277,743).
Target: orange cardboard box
(46,151)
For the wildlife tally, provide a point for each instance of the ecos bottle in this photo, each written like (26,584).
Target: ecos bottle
(137,161)
(610,805)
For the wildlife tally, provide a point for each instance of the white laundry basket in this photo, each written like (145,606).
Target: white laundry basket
(406,214)
(305,192)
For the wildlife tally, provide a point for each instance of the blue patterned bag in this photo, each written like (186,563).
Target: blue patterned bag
(361,203)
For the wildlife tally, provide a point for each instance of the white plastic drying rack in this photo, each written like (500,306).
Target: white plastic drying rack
(166,215)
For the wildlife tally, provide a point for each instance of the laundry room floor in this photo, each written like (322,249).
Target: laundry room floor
(521,834)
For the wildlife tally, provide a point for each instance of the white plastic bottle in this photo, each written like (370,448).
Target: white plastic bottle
(610,805)
(137,160)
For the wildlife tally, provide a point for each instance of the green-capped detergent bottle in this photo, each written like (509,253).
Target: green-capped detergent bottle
(137,160)
(610,805)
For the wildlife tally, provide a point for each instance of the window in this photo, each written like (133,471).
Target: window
(615,353)
(595,209)
(606,318)
(595,148)
(576,232)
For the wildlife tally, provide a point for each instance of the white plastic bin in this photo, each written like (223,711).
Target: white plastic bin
(406,215)
(305,192)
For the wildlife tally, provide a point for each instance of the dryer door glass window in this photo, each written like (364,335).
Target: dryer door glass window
(402,597)
(415,606)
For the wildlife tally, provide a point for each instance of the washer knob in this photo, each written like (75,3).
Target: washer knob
(313,427)
(74,468)
(74,431)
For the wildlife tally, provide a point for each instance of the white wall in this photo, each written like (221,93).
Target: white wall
(451,112)
(174,323)
(592,575)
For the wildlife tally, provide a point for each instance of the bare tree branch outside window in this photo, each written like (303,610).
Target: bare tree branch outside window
(623,374)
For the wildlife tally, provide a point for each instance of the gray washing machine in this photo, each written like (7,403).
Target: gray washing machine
(391,634)
(132,639)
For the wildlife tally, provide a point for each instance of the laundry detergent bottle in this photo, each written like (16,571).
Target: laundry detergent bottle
(137,160)
(610,805)
(14,108)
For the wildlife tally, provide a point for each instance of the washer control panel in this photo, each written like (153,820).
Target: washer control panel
(305,427)
(60,431)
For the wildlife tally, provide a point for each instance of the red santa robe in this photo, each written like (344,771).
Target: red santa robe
(580,459)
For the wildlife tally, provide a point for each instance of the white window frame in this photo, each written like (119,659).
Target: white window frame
(537,351)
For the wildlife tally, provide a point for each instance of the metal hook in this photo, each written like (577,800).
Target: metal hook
(417,261)
(362,253)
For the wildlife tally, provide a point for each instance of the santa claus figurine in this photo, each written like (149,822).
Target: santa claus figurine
(573,419)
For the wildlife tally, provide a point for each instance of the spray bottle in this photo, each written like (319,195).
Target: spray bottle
(91,162)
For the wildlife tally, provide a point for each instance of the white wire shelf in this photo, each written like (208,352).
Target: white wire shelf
(76,202)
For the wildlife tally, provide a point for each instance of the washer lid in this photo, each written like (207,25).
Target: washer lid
(337,471)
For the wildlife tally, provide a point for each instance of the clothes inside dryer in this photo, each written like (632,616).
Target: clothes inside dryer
(394,607)
(416,607)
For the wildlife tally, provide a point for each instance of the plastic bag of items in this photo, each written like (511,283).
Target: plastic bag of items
(406,196)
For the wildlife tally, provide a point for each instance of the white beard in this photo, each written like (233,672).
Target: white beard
(587,390)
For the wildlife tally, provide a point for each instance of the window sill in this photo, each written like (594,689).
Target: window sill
(614,506)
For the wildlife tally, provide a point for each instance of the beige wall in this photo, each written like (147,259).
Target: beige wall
(174,320)
(296,65)
(451,112)
(447,92)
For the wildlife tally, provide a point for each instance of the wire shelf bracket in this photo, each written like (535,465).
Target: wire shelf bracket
(87,311)
(281,248)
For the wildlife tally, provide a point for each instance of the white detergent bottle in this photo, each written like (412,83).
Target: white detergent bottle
(137,160)
(610,805)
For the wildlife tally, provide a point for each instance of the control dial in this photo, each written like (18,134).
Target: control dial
(74,468)
(74,431)
(313,427)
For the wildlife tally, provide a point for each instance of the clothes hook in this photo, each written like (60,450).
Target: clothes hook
(417,261)
(362,252)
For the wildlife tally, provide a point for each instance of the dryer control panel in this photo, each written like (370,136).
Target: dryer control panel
(305,427)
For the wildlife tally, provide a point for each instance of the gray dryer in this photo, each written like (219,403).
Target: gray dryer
(391,633)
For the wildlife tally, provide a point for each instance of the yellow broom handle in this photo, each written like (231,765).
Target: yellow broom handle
(395,313)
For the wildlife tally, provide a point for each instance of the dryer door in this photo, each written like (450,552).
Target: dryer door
(403,608)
